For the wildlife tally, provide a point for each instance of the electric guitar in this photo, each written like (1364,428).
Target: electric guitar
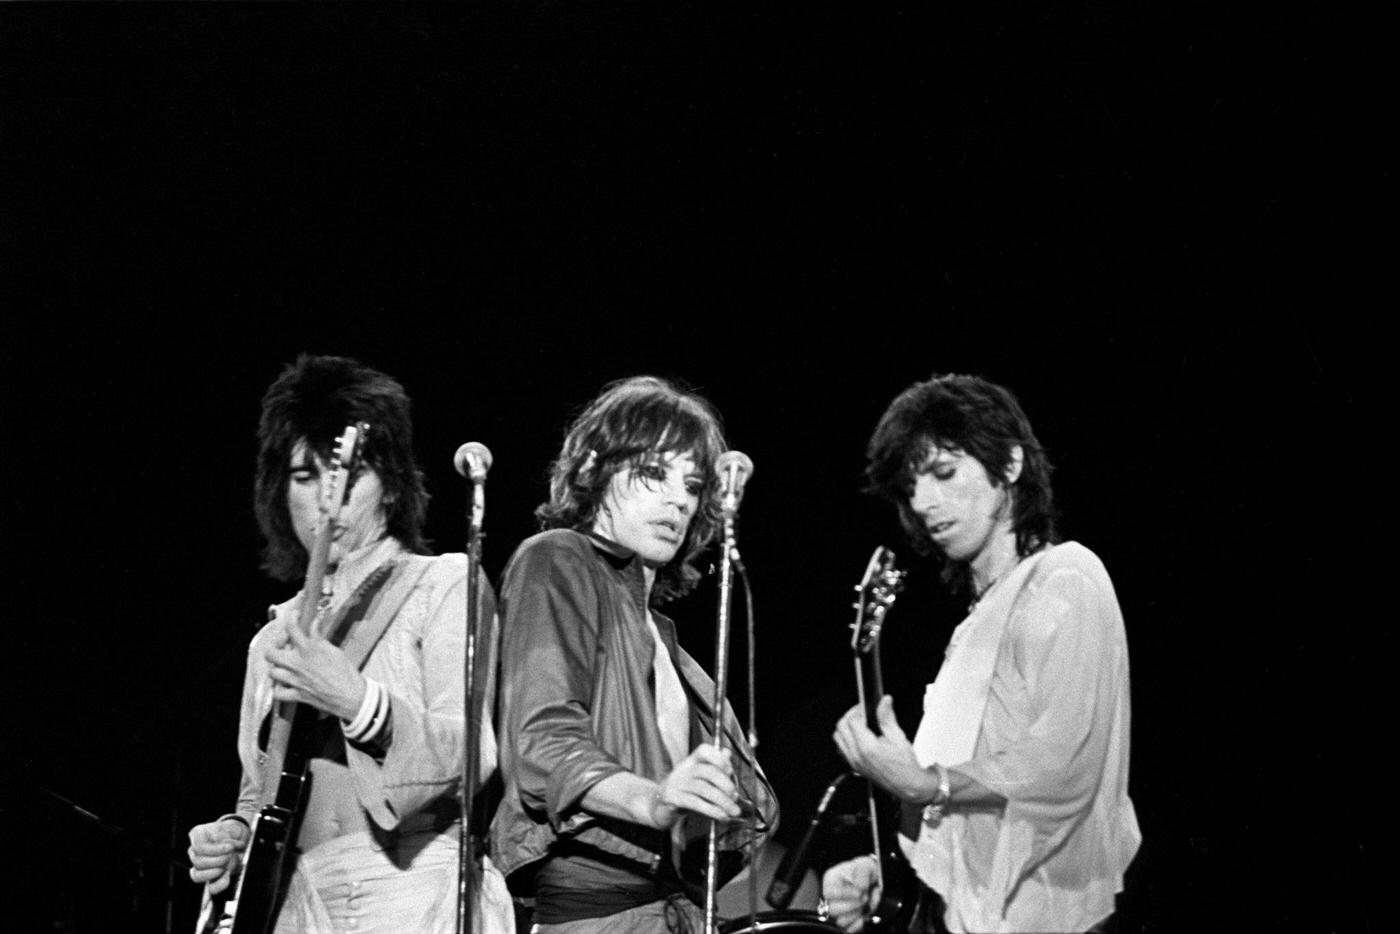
(287,773)
(898,886)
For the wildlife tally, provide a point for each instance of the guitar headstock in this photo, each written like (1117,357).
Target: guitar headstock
(344,461)
(875,594)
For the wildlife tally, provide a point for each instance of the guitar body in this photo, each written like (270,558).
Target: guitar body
(899,887)
(268,862)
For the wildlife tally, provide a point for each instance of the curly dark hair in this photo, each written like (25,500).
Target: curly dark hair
(313,399)
(977,417)
(631,420)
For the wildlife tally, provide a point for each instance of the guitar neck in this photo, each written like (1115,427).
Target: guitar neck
(877,591)
(286,768)
(315,579)
(284,713)
(870,685)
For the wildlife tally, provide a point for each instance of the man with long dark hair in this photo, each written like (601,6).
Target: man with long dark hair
(605,720)
(377,847)
(1015,786)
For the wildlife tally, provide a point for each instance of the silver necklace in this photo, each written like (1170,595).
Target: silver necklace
(978,595)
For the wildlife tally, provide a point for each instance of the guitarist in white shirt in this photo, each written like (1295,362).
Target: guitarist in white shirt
(1014,788)
(376,845)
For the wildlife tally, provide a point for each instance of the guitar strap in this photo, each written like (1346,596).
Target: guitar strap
(364,622)
(357,626)
(343,621)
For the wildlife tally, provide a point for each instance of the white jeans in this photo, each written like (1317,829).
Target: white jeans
(349,885)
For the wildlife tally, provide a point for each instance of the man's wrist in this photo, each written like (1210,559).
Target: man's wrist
(922,787)
(239,819)
(659,814)
(936,805)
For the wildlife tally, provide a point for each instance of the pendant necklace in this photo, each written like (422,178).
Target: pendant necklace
(978,595)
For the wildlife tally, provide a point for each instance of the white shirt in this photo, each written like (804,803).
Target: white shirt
(1052,715)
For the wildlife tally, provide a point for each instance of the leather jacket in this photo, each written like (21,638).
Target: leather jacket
(577,706)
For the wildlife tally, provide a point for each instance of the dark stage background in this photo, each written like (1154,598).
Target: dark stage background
(1141,217)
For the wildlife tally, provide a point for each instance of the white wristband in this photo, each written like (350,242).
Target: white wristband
(369,715)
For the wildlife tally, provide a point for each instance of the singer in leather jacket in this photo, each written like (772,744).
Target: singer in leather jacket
(605,721)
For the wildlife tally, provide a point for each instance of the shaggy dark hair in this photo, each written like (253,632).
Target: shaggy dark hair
(313,400)
(632,420)
(977,417)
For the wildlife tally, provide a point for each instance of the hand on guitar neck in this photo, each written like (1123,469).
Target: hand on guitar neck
(887,757)
(308,669)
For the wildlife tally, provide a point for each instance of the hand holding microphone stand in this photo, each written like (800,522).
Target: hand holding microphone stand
(734,469)
(472,461)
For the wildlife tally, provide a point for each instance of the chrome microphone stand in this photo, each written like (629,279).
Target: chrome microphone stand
(734,469)
(472,460)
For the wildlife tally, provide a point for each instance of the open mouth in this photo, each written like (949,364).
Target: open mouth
(938,528)
(673,529)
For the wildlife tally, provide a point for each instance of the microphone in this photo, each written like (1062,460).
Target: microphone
(472,460)
(793,868)
(734,469)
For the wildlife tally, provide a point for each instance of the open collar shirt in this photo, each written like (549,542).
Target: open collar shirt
(1054,742)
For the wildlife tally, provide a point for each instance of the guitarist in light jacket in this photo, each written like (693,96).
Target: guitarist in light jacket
(1014,789)
(378,842)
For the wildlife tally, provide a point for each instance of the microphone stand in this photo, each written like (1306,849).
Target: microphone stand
(728,549)
(471,753)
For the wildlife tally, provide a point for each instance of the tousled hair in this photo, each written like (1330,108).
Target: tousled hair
(979,418)
(631,420)
(313,399)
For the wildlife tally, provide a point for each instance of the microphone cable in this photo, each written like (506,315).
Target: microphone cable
(755,849)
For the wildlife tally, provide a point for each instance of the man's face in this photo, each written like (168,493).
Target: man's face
(361,520)
(959,505)
(647,509)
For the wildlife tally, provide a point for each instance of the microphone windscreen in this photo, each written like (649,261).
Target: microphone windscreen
(738,460)
(469,452)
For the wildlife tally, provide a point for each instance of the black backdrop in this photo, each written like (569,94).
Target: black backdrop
(1144,220)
